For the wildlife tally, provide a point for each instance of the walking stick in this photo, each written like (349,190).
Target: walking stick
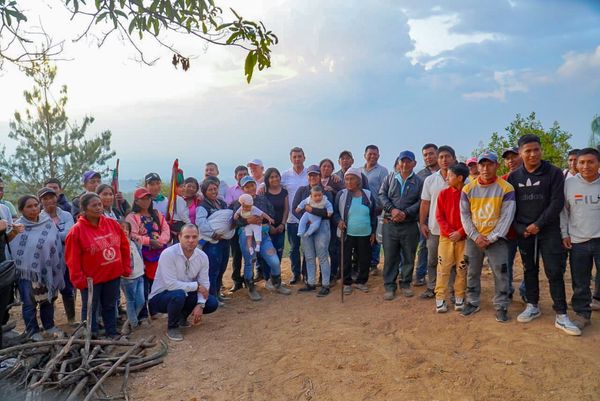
(342,262)
(536,253)
(88,318)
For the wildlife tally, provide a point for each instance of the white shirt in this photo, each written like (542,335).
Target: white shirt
(172,273)
(433,185)
(291,182)
(181,209)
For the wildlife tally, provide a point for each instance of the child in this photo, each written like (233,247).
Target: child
(133,286)
(315,200)
(246,210)
(451,249)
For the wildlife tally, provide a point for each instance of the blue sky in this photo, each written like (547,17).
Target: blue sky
(345,74)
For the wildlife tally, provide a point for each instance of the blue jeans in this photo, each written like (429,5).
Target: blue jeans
(582,258)
(317,246)
(308,225)
(218,256)
(30,309)
(294,240)
(179,305)
(278,241)
(375,253)
(104,300)
(267,252)
(134,294)
(147,287)
(422,258)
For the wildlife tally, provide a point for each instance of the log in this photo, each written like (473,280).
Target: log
(78,389)
(63,341)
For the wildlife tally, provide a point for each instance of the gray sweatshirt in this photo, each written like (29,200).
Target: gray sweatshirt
(580,218)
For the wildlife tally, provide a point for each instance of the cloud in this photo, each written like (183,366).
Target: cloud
(578,65)
(507,82)
(436,35)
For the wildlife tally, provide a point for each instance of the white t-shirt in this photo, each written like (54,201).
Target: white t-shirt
(433,185)
(291,182)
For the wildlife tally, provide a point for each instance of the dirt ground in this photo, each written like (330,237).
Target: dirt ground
(301,347)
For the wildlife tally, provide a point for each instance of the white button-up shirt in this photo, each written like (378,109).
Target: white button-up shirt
(176,272)
(291,181)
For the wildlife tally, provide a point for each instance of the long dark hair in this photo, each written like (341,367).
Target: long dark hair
(270,171)
(23,201)
(136,209)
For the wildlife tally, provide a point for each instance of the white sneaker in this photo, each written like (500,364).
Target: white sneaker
(459,304)
(531,312)
(269,285)
(565,324)
(37,337)
(362,287)
(440,306)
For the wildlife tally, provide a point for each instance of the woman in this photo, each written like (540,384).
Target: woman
(97,248)
(316,245)
(357,223)
(267,250)
(64,222)
(107,197)
(38,255)
(191,196)
(149,228)
(329,181)
(217,248)
(278,197)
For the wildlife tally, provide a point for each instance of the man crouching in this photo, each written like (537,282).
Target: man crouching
(180,288)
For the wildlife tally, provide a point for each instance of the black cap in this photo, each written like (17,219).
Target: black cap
(45,191)
(151,177)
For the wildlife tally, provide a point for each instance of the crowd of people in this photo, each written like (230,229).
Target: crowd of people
(437,226)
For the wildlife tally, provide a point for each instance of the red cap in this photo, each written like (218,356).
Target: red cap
(141,193)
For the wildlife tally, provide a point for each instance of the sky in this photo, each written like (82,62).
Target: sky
(346,73)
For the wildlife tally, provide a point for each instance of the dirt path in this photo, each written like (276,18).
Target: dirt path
(306,348)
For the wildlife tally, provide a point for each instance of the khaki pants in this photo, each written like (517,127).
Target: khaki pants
(451,254)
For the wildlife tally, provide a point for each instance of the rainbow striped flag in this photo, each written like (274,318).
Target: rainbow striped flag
(171,206)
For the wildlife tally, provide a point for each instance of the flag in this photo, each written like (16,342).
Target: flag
(171,206)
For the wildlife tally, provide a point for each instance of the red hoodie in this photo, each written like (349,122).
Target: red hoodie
(447,212)
(100,252)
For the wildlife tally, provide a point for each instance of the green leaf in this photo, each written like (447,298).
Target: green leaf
(233,37)
(223,26)
(249,65)
(132,25)
(204,29)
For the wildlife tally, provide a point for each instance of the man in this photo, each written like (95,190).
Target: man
(257,171)
(512,161)
(375,174)
(430,155)
(346,160)
(153,184)
(212,170)
(62,201)
(181,285)
(430,229)
(473,169)
(539,190)
(400,196)
(91,180)
(580,228)
(232,195)
(571,171)
(291,180)
(8,204)
(487,208)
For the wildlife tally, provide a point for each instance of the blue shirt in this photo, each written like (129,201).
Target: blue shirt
(359,219)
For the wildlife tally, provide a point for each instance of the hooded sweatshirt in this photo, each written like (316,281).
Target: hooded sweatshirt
(100,252)
(580,218)
(540,197)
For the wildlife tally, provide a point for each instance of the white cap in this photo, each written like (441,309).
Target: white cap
(256,162)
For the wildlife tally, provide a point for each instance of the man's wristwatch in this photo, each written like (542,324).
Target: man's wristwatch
(201,304)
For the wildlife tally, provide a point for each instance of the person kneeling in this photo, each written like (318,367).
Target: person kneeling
(181,286)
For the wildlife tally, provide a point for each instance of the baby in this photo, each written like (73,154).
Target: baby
(246,210)
(316,200)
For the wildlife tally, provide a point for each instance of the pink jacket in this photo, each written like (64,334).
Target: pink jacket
(139,233)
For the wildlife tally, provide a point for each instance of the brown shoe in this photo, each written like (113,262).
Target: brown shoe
(581,321)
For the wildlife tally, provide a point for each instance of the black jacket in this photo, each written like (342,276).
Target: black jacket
(64,203)
(303,193)
(407,201)
(540,197)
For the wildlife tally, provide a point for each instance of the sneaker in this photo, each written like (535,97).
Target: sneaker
(323,292)
(55,332)
(269,285)
(37,337)
(459,304)
(564,323)
(307,288)
(420,282)
(531,312)
(502,315)
(581,321)
(174,334)
(595,305)
(407,292)
(440,306)
(428,294)
(347,289)
(389,295)
(469,309)
(295,280)
(362,287)
(184,323)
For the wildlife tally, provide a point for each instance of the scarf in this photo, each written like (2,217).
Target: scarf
(39,255)
(159,198)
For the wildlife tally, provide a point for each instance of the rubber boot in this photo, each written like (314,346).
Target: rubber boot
(254,295)
(69,304)
(276,281)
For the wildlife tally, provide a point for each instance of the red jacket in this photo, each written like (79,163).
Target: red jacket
(100,252)
(447,212)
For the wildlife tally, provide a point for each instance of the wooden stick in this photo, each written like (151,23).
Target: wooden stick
(111,370)
(88,334)
(63,341)
(342,262)
(78,389)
